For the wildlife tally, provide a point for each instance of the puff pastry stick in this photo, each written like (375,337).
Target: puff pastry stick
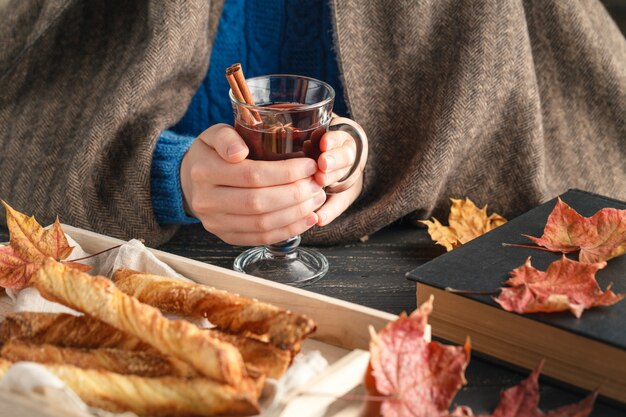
(115,360)
(85,332)
(67,330)
(165,396)
(230,312)
(267,358)
(98,297)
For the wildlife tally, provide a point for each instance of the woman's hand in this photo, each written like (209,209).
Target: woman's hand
(246,202)
(338,156)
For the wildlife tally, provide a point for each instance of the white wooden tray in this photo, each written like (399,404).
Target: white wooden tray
(342,334)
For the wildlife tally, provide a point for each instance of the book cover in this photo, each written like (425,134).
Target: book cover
(571,346)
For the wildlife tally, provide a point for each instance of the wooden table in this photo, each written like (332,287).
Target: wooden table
(372,273)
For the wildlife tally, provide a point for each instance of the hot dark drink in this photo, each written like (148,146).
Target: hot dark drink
(283,135)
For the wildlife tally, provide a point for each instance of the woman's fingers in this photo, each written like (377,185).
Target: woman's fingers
(364,147)
(328,178)
(252,174)
(337,159)
(249,201)
(266,222)
(227,164)
(266,238)
(338,203)
(339,151)
(334,139)
(225,140)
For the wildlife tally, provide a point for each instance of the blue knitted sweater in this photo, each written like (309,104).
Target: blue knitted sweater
(269,36)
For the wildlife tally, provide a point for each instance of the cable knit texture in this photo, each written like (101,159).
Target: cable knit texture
(167,198)
(268,37)
(507,102)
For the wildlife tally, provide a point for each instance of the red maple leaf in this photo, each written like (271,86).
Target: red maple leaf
(30,245)
(565,285)
(418,378)
(599,237)
(522,400)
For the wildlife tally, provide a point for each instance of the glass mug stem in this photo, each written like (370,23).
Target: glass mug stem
(285,249)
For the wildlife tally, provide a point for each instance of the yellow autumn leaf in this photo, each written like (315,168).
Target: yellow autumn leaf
(30,245)
(466,222)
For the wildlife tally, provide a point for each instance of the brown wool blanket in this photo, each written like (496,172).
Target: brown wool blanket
(508,102)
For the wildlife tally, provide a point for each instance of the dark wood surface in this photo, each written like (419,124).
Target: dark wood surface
(372,273)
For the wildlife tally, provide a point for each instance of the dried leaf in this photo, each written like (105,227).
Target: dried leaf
(418,378)
(565,285)
(522,401)
(30,244)
(466,222)
(599,237)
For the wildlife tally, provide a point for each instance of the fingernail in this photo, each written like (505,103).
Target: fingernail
(311,219)
(234,149)
(315,187)
(311,168)
(323,217)
(320,198)
(330,162)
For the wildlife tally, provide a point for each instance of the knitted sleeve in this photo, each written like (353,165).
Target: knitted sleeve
(166,191)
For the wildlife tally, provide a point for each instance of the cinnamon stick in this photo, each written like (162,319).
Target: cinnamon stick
(247,117)
(237,82)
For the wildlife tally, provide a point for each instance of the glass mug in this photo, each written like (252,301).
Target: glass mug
(290,115)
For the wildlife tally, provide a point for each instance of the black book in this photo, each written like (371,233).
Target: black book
(589,352)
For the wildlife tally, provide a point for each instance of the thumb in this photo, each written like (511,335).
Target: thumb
(228,144)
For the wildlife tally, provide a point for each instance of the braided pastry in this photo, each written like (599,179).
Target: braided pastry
(229,312)
(165,396)
(100,298)
(67,330)
(127,362)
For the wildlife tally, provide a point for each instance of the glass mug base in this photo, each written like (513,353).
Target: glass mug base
(297,267)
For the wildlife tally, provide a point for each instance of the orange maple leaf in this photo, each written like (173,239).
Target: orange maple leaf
(418,378)
(30,245)
(565,285)
(599,237)
(466,222)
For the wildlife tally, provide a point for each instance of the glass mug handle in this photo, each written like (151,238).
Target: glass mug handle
(345,182)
